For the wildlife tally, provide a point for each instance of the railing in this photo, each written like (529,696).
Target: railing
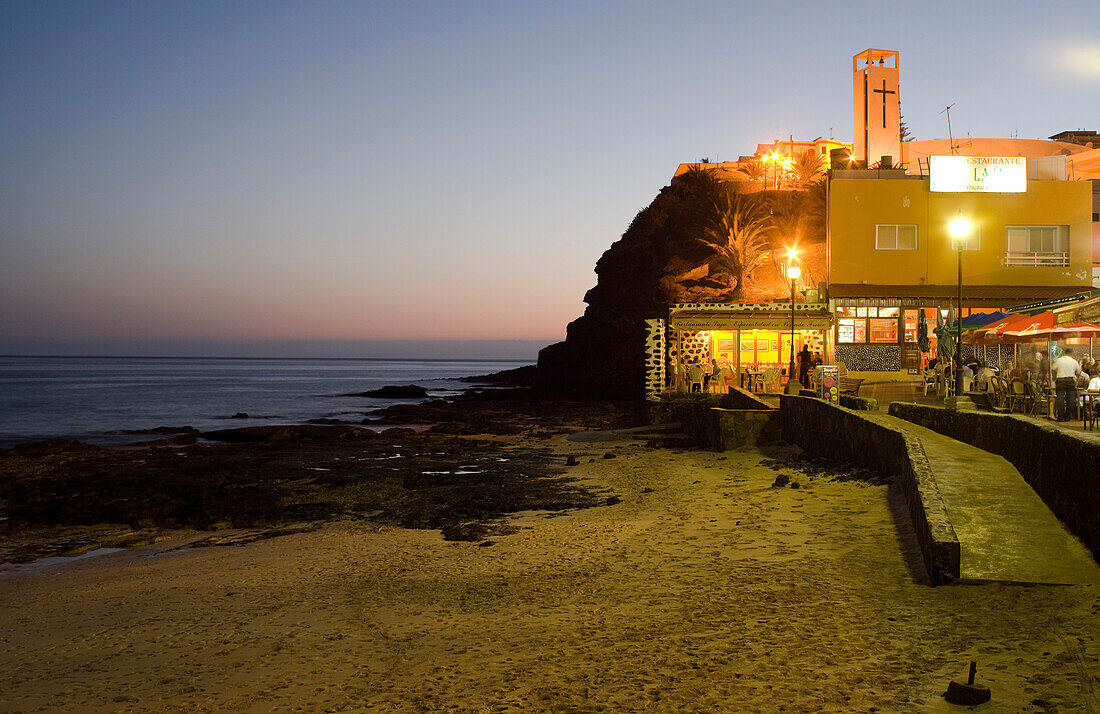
(1036,260)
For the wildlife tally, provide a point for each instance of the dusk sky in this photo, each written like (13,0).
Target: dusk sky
(322,178)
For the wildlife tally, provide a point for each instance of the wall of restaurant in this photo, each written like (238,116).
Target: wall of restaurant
(856,206)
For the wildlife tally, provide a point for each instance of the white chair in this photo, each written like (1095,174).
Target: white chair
(724,379)
(768,379)
(930,381)
(695,374)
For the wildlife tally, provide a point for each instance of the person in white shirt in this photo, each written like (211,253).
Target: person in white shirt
(1065,370)
(983,375)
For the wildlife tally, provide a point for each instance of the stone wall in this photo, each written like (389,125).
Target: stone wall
(860,404)
(1062,466)
(869,358)
(724,429)
(695,346)
(823,429)
(654,359)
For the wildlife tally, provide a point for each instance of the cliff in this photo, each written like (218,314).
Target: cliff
(698,241)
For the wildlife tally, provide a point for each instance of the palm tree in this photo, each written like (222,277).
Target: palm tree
(754,170)
(738,237)
(807,166)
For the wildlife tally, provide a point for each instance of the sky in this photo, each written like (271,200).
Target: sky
(349,179)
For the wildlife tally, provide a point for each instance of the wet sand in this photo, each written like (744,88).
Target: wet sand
(703,589)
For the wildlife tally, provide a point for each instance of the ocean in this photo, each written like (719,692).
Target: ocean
(93,399)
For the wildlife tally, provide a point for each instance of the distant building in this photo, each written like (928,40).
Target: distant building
(1089,139)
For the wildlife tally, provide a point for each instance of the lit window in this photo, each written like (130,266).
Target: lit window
(846,330)
(1037,246)
(884,331)
(890,236)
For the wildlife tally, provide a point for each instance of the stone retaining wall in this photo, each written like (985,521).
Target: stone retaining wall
(1062,466)
(824,429)
(723,429)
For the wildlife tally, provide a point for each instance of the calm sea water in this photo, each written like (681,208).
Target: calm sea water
(88,398)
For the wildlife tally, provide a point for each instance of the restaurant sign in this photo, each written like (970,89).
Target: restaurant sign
(1085,310)
(978,174)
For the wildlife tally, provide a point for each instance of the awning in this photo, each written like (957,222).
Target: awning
(699,321)
(999,294)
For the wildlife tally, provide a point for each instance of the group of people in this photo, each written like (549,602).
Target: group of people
(1069,375)
(1066,373)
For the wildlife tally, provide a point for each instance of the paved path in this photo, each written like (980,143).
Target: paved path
(1006,533)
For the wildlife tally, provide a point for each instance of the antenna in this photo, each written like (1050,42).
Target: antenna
(950,140)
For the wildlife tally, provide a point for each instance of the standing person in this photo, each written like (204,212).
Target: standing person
(805,360)
(1043,377)
(1065,370)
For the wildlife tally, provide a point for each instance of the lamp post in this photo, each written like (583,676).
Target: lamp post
(959,228)
(793,272)
(765,159)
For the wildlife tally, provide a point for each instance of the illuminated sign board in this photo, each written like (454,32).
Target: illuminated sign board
(978,174)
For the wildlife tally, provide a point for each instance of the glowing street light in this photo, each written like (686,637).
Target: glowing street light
(794,273)
(959,228)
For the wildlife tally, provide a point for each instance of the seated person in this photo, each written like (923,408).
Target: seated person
(981,377)
(1020,370)
(933,363)
(1094,384)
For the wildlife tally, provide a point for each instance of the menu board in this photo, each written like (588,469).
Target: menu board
(830,383)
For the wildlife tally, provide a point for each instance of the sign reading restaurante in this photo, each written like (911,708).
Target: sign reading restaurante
(983,174)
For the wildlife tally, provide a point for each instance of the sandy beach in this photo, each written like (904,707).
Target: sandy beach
(704,588)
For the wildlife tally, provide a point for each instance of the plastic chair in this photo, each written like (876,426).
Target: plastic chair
(929,381)
(766,382)
(724,379)
(695,374)
(1018,396)
(1040,398)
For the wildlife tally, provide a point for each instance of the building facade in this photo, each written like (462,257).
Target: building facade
(890,255)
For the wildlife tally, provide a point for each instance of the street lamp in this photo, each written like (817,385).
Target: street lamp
(794,273)
(959,228)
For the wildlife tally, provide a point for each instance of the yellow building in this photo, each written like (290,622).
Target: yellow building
(890,254)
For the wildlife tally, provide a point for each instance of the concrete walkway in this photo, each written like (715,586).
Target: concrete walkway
(1006,533)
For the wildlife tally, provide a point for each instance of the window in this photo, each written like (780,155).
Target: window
(846,330)
(1037,246)
(884,330)
(890,236)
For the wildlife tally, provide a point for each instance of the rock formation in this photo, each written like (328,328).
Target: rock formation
(670,254)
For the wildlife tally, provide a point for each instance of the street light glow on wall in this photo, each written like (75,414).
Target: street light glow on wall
(959,228)
(794,273)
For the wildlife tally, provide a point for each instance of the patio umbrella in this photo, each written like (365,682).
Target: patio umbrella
(946,346)
(982,319)
(923,343)
(1006,330)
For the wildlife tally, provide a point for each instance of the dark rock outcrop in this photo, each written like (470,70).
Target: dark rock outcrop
(390,391)
(661,259)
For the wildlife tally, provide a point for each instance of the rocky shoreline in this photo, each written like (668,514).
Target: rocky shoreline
(469,462)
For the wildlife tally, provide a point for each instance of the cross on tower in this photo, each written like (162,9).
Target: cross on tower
(884,91)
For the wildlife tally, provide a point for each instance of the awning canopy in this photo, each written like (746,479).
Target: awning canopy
(971,294)
(699,320)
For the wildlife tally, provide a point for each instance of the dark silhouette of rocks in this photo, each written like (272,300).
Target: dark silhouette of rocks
(661,259)
(390,391)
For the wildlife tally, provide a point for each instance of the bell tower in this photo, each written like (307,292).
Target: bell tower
(876,111)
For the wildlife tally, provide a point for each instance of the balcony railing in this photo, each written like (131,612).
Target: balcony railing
(1036,260)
